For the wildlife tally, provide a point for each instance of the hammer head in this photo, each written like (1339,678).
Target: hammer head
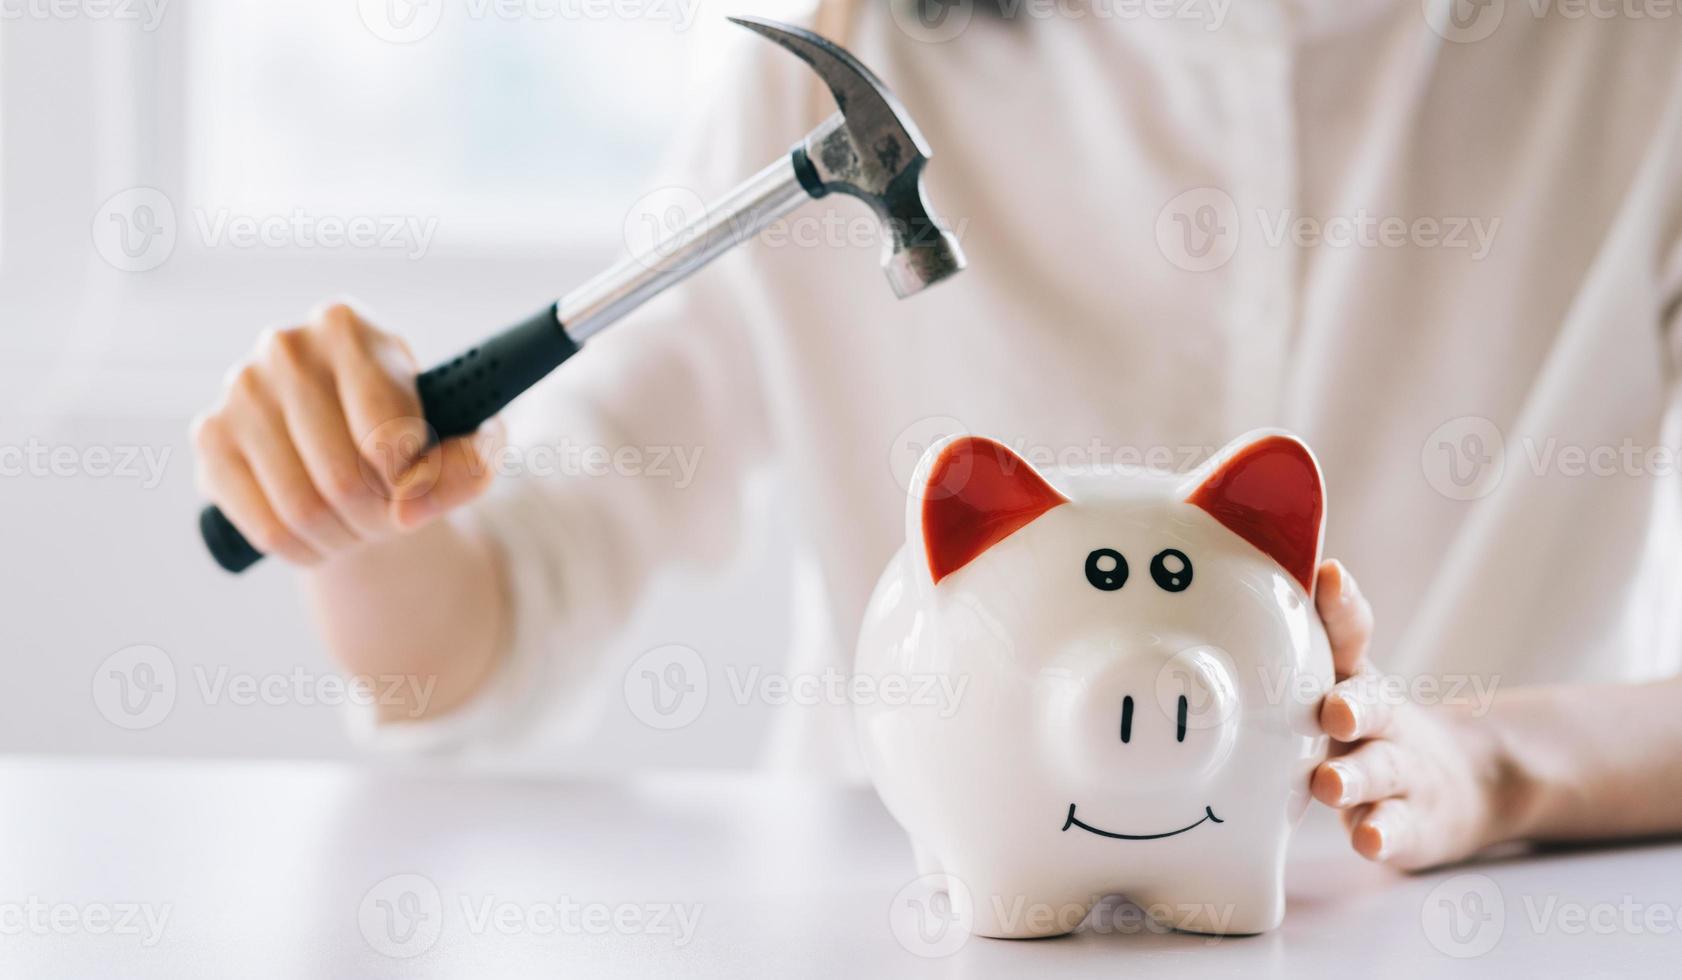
(871,150)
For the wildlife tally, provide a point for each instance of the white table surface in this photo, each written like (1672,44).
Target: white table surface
(265,869)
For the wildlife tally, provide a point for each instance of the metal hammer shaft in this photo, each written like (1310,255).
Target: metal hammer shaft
(757,202)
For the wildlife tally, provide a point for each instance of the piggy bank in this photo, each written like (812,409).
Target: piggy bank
(1132,664)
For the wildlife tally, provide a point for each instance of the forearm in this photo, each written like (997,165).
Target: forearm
(1587,762)
(429,607)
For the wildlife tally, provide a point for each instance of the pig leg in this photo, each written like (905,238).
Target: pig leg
(927,863)
(1240,897)
(1017,910)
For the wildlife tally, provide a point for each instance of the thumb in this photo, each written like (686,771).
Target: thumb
(448,475)
(1347,616)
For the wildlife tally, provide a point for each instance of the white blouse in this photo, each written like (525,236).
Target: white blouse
(1449,263)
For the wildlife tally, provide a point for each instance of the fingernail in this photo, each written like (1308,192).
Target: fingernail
(1354,708)
(1348,782)
(1381,837)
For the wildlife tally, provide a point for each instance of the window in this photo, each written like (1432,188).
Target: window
(507,119)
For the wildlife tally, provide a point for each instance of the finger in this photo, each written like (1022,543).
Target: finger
(374,376)
(1386,833)
(225,478)
(1354,709)
(312,413)
(266,444)
(1375,770)
(1347,616)
(449,475)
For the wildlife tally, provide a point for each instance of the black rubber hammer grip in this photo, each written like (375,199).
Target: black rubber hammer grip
(456,398)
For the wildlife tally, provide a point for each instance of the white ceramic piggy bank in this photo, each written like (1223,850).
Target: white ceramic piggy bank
(1137,664)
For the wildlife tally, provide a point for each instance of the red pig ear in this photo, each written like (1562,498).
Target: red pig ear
(976,493)
(1269,493)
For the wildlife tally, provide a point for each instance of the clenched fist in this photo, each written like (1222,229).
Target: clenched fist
(318,444)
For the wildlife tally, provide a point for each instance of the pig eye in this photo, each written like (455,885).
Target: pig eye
(1106,569)
(1171,569)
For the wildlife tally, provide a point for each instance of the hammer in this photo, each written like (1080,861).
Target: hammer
(870,150)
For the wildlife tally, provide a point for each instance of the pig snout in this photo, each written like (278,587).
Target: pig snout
(1159,710)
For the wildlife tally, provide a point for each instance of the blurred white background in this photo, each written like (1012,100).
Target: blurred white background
(151,150)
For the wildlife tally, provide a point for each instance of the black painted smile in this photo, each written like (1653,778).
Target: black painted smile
(1208,814)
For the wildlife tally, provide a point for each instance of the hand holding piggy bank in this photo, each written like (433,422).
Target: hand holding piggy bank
(1140,663)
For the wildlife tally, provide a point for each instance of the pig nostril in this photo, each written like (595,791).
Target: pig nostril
(1180,730)
(1127,718)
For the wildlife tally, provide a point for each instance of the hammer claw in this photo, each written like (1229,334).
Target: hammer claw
(871,150)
